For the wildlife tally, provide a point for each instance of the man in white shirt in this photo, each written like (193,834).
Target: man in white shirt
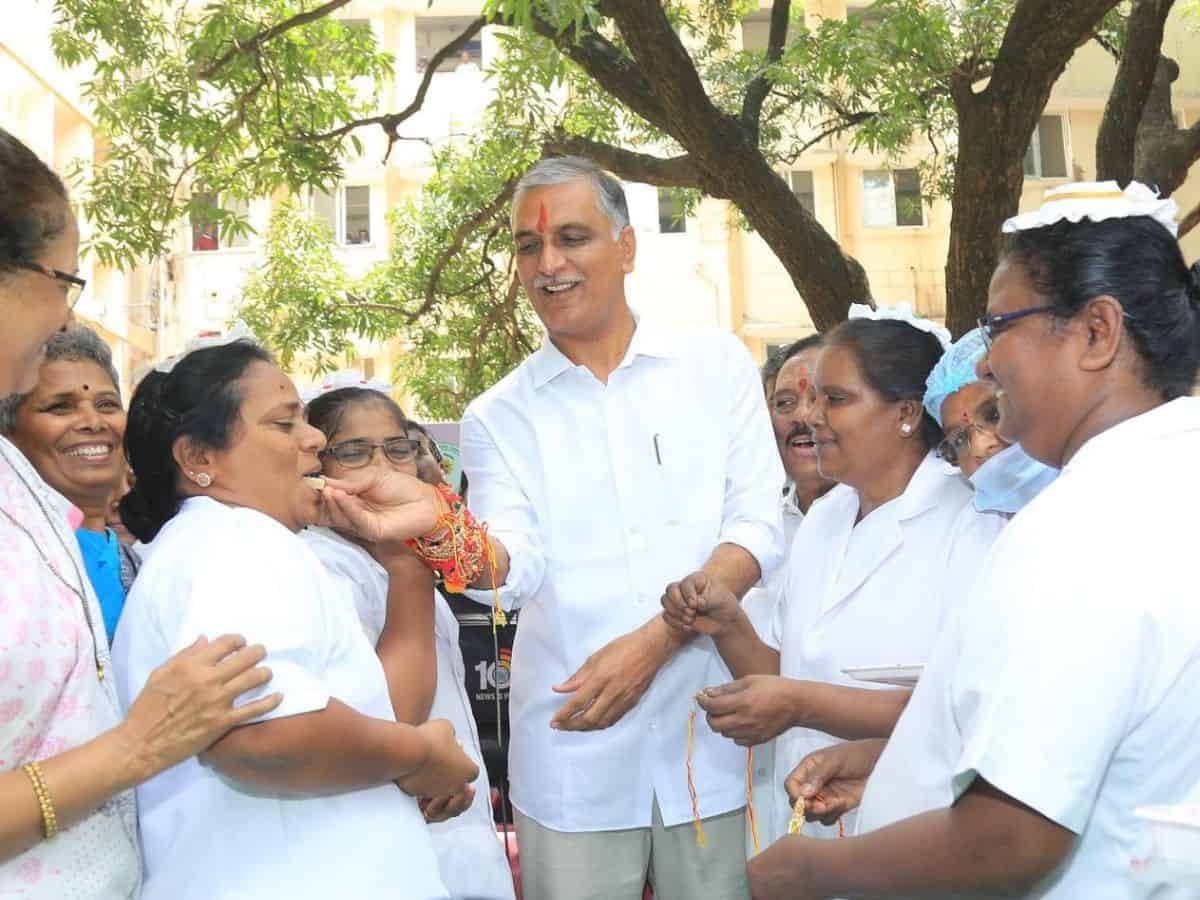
(786,383)
(614,461)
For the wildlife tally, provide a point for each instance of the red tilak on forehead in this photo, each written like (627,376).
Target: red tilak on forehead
(541,222)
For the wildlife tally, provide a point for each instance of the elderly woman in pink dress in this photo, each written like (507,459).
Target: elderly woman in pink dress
(69,759)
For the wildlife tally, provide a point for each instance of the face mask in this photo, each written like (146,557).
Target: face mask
(1009,480)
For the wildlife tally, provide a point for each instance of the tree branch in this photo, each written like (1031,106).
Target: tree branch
(1190,221)
(268,34)
(829,130)
(760,87)
(1108,46)
(610,68)
(678,171)
(1041,37)
(689,115)
(1116,143)
(456,242)
(390,122)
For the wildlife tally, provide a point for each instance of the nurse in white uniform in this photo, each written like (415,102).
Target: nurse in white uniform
(864,584)
(1066,695)
(413,630)
(1004,479)
(303,802)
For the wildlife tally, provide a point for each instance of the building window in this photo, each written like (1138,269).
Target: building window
(435,32)
(347,211)
(892,198)
(207,210)
(1046,156)
(670,212)
(802,187)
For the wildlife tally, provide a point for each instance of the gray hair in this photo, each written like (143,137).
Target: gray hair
(78,344)
(610,196)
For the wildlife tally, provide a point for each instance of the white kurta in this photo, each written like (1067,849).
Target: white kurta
(873,593)
(215,569)
(603,494)
(470,857)
(1070,680)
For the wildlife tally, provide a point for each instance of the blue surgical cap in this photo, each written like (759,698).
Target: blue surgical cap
(954,371)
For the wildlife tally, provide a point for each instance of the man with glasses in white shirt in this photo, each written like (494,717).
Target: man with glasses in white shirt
(615,462)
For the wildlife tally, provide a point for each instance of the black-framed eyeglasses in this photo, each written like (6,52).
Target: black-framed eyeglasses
(957,441)
(990,326)
(357,453)
(74,283)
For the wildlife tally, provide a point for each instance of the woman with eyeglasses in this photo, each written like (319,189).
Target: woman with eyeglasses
(410,625)
(866,581)
(964,406)
(69,758)
(1065,697)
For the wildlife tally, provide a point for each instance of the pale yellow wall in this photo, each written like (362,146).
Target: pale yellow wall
(712,275)
(41,104)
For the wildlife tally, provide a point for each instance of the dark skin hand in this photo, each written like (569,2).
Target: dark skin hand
(987,844)
(832,780)
(446,807)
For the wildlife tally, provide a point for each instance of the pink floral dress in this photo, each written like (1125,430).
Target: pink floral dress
(51,699)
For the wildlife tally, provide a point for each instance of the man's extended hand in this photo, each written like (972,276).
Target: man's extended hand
(613,679)
(751,710)
(388,509)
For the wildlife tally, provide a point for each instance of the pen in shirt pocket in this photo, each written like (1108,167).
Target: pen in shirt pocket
(657,451)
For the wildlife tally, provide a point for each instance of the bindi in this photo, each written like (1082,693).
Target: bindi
(85,387)
(542,218)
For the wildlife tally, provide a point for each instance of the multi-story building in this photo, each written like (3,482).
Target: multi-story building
(42,105)
(701,270)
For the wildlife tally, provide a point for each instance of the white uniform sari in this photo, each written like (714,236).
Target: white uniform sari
(470,857)
(215,569)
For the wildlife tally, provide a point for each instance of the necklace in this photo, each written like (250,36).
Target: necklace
(87,613)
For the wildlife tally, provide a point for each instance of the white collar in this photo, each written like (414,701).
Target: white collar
(1177,417)
(548,362)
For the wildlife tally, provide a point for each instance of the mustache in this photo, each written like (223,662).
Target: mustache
(800,431)
(545,281)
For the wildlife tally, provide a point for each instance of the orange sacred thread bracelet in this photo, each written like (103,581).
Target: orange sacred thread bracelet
(457,549)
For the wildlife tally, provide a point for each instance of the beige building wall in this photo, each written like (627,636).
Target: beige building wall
(40,103)
(712,274)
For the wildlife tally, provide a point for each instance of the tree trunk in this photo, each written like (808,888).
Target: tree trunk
(994,127)
(826,279)
(722,150)
(1164,152)
(1117,139)
(988,176)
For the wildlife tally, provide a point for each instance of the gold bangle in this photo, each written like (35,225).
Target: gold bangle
(49,819)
